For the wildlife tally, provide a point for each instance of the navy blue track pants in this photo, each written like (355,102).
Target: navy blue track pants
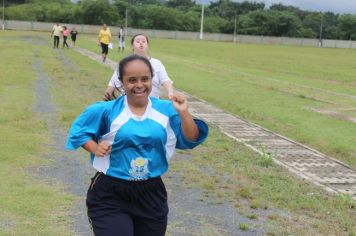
(129,208)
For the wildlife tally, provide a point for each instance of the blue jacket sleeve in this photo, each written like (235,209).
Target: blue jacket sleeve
(182,142)
(88,126)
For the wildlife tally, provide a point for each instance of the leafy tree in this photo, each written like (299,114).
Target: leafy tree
(330,30)
(312,21)
(161,17)
(281,7)
(246,7)
(254,23)
(284,23)
(228,9)
(308,33)
(15,2)
(57,12)
(292,9)
(190,21)
(184,15)
(121,6)
(145,2)
(272,23)
(224,8)
(25,12)
(213,24)
(181,4)
(50,12)
(347,26)
(98,12)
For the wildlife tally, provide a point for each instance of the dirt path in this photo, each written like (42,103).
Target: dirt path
(71,169)
(189,216)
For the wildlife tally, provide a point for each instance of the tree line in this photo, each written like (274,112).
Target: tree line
(251,18)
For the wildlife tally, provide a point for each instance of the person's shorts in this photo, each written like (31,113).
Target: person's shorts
(121,207)
(104,48)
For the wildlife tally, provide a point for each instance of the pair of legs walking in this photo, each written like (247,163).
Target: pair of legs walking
(121,45)
(55,41)
(104,50)
(65,42)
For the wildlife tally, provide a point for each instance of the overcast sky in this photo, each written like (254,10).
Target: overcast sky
(336,6)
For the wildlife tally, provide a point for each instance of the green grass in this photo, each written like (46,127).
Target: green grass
(243,226)
(263,84)
(27,206)
(273,86)
(243,178)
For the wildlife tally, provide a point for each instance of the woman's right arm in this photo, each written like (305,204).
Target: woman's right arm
(88,126)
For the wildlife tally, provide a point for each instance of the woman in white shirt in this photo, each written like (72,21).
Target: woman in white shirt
(139,43)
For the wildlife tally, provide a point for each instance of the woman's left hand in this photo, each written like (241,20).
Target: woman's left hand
(180,103)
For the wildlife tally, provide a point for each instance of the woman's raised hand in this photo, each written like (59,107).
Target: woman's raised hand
(180,102)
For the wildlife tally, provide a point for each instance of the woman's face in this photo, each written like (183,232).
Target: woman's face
(140,45)
(137,82)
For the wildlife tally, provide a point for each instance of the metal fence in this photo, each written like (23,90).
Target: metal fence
(94,29)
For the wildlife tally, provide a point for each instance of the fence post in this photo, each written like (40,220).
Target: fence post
(129,31)
(81,28)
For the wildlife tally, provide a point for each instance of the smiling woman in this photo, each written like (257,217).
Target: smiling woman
(137,83)
(131,141)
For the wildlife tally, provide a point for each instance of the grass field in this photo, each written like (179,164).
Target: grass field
(273,90)
(27,206)
(307,94)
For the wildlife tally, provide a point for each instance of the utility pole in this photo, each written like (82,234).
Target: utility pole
(235,30)
(126,13)
(321,30)
(201,22)
(3,15)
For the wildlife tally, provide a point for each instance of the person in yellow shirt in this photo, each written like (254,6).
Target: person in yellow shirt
(104,40)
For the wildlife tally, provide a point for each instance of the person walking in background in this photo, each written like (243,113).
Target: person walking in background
(131,141)
(140,45)
(104,40)
(56,33)
(65,36)
(73,35)
(121,38)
